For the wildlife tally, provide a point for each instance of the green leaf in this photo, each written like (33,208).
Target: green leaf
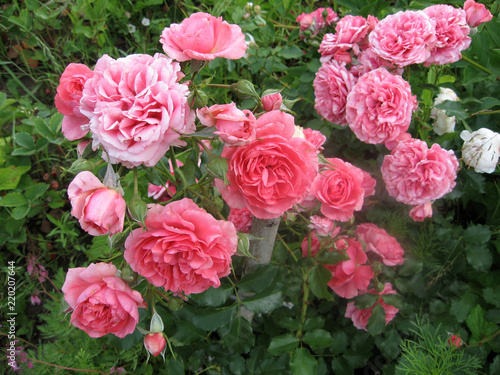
(366,300)
(20,212)
(213,296)
(260,279)
(376,323)
(340,342)
(331,257)
(10,176)
(479,257)
(292,52)
(25,140)
(239,337)
(453,109)
(318,280)
(212,319)
(492,295)
(478,326)
(175,367)
(477,234)
(318,338)
(392,299)
(36,191)
(341,367)
(302,362)
(283,344)
(411,266)
(13,200)
(265,301)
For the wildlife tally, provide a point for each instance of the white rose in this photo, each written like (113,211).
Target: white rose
(442,123)
(481,149)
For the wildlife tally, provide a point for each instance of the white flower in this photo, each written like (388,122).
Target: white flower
(481,149)
(442,123)
(131,28)
(145,21)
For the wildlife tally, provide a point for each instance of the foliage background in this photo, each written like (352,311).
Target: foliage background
(450,281)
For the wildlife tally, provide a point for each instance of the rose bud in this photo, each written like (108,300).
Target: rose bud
(155,343)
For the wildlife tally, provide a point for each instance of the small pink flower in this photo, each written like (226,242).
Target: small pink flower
(476,13)
(315,137)
(35,300)
(69,92)
(351,276)
(341,188)
(203,37)
(451,32)
(332,84)
(360,316)
(415,174)
(242,219)
(321,225)
(272,101)
(99,209)
(315,21)
(182,248)
(155,343)
(380,106)
(404,38)
(234,126)
(456,341)
(381,243)
(421,211)
(102,303)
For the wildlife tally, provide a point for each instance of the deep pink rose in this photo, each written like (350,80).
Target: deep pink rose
(183,248)
(242,219)
(69,92)
(315,21)
(272,101)
(380,106)
(404,38)
(203,37)
(381,243)
(351,276)
(421,211)
(315,137)
(137,108)
(234,126)
(269,175)
(99,209)
(341,188)
(360,316)
(332,84)
(451,32)
(102,303)
(155,343)
(476,13)
(415,174)
(275,123)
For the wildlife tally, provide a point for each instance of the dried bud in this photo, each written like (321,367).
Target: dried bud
(244,89)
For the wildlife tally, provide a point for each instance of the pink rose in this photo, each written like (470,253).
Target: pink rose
(380,106)
(155,343)
(203,37)
(99,209)
(315,21)
(274,123)
(102,302)
(451,32)
(341,188)
(315,137)
(415,174)
(67,100)
(321,225)
(476,13)
(368,60)
(404,38)
(269,175)
(234,126)
(378,241)
(272,101)
(360,316)
(183,248)
(137,108)
(421,211)
(351,276)
(242,219)
(332,84)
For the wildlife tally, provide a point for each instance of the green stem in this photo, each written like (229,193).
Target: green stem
(470,61)
(218,85)
(305,276)
(136,183)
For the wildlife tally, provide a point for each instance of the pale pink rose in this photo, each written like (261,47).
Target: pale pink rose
(69,92)
(315,21)
(421,211)
(137,108)
(415,174)
(315,137)
(368,60)
(234,126)
(381,243)
(203,37)
(155,343)
(182,248)
(360,316)
(268,175)
(321,225)
(351,276)
(404,38)
(332,84)
(476,13)
(451,32)
(349,31)
(99,209)
(341,189)
(102,303)
(242,219)
(380,106)
(272,101)
(274,123)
